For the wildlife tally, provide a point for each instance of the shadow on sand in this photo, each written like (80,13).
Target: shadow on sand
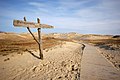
(33,54)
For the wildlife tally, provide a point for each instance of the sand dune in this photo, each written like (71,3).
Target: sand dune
(60,62)
(62,55)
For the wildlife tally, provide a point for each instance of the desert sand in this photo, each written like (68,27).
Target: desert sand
(60,62)
(63,53)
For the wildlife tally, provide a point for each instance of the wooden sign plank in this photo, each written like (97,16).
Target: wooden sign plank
(20,23)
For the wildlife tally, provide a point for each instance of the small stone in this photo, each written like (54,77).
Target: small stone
(69,67)
(75,67)
(59,77)
(33,75)
(7,59)
(63,63)
(34,68)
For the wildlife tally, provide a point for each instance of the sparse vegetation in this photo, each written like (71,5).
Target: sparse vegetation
(20,44)
(106,43)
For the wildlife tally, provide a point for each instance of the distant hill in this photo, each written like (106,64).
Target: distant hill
(77,36)
(2,32)
(71,35)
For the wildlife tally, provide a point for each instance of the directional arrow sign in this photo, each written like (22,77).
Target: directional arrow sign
(20,23)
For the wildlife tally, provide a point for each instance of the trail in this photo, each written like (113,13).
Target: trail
(95,67)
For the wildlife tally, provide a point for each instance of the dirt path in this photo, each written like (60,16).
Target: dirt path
(60,62)
(95,67)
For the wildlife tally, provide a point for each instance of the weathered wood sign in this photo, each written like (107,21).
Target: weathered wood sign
(20,23)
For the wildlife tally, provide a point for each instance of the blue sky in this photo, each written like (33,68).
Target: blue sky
(82,16)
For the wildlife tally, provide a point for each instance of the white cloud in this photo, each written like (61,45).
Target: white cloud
(72,14)
(36,4)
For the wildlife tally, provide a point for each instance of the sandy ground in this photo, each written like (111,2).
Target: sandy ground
(60,62)
(112,55)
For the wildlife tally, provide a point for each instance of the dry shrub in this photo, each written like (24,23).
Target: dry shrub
(14,45)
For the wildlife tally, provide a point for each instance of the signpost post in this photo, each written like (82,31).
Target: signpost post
(20,23)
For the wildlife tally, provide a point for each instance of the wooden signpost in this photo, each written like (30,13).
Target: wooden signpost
(20,23)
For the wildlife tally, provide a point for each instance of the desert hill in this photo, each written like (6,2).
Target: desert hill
(19,58)
(62,55)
